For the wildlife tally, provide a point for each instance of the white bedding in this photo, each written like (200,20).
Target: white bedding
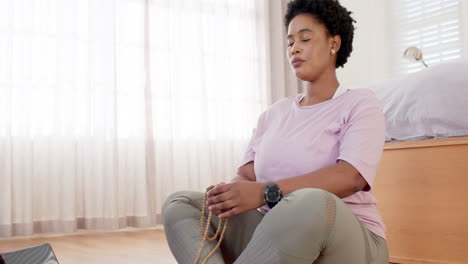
(432,103)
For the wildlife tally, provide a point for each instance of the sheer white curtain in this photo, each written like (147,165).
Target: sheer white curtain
(108,106)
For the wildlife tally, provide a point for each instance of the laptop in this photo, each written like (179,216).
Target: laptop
(42,254)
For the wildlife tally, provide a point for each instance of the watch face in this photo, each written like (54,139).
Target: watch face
(273,195)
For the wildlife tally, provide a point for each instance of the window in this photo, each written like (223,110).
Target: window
(433,26)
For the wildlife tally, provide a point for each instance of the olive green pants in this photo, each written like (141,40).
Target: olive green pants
(307,226)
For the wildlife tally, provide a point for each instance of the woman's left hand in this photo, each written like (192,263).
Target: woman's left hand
(230,199)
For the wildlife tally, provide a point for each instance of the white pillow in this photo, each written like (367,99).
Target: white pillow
(432,103)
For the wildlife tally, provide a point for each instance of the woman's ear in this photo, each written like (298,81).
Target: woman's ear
(336,43)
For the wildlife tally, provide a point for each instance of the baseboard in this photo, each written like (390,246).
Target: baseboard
(402,260)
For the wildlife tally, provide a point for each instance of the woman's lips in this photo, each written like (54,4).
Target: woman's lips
(297,64)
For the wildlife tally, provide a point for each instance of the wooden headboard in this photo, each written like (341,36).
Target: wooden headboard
(422,194)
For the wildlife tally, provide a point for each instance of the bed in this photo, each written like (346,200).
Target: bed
(422,193)
(422,181)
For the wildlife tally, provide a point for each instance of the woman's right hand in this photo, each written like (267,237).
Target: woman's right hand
(217,212)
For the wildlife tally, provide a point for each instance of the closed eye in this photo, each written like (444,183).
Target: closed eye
(292,43)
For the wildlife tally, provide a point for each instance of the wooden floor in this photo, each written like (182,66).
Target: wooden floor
(122,247)
(142,246)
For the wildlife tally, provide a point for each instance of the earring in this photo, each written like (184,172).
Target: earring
(333,52)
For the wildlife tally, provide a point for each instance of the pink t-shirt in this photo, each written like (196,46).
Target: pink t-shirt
(292,140)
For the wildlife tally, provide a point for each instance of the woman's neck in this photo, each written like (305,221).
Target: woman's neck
(320,90)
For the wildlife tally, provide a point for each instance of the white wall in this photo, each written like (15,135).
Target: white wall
(369,60)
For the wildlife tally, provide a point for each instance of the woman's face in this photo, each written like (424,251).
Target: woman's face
(309,47)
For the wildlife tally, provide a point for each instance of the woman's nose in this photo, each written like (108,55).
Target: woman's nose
(295,49)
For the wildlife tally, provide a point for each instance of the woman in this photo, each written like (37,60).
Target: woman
(309,166)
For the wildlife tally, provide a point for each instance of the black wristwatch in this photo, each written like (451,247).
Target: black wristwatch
(272,194)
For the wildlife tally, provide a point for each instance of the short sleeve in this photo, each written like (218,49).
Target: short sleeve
(362,137)
(249,154)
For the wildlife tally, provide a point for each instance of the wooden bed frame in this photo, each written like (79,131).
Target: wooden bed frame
(422,194)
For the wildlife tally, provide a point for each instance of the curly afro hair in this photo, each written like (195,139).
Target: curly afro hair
(336,18)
